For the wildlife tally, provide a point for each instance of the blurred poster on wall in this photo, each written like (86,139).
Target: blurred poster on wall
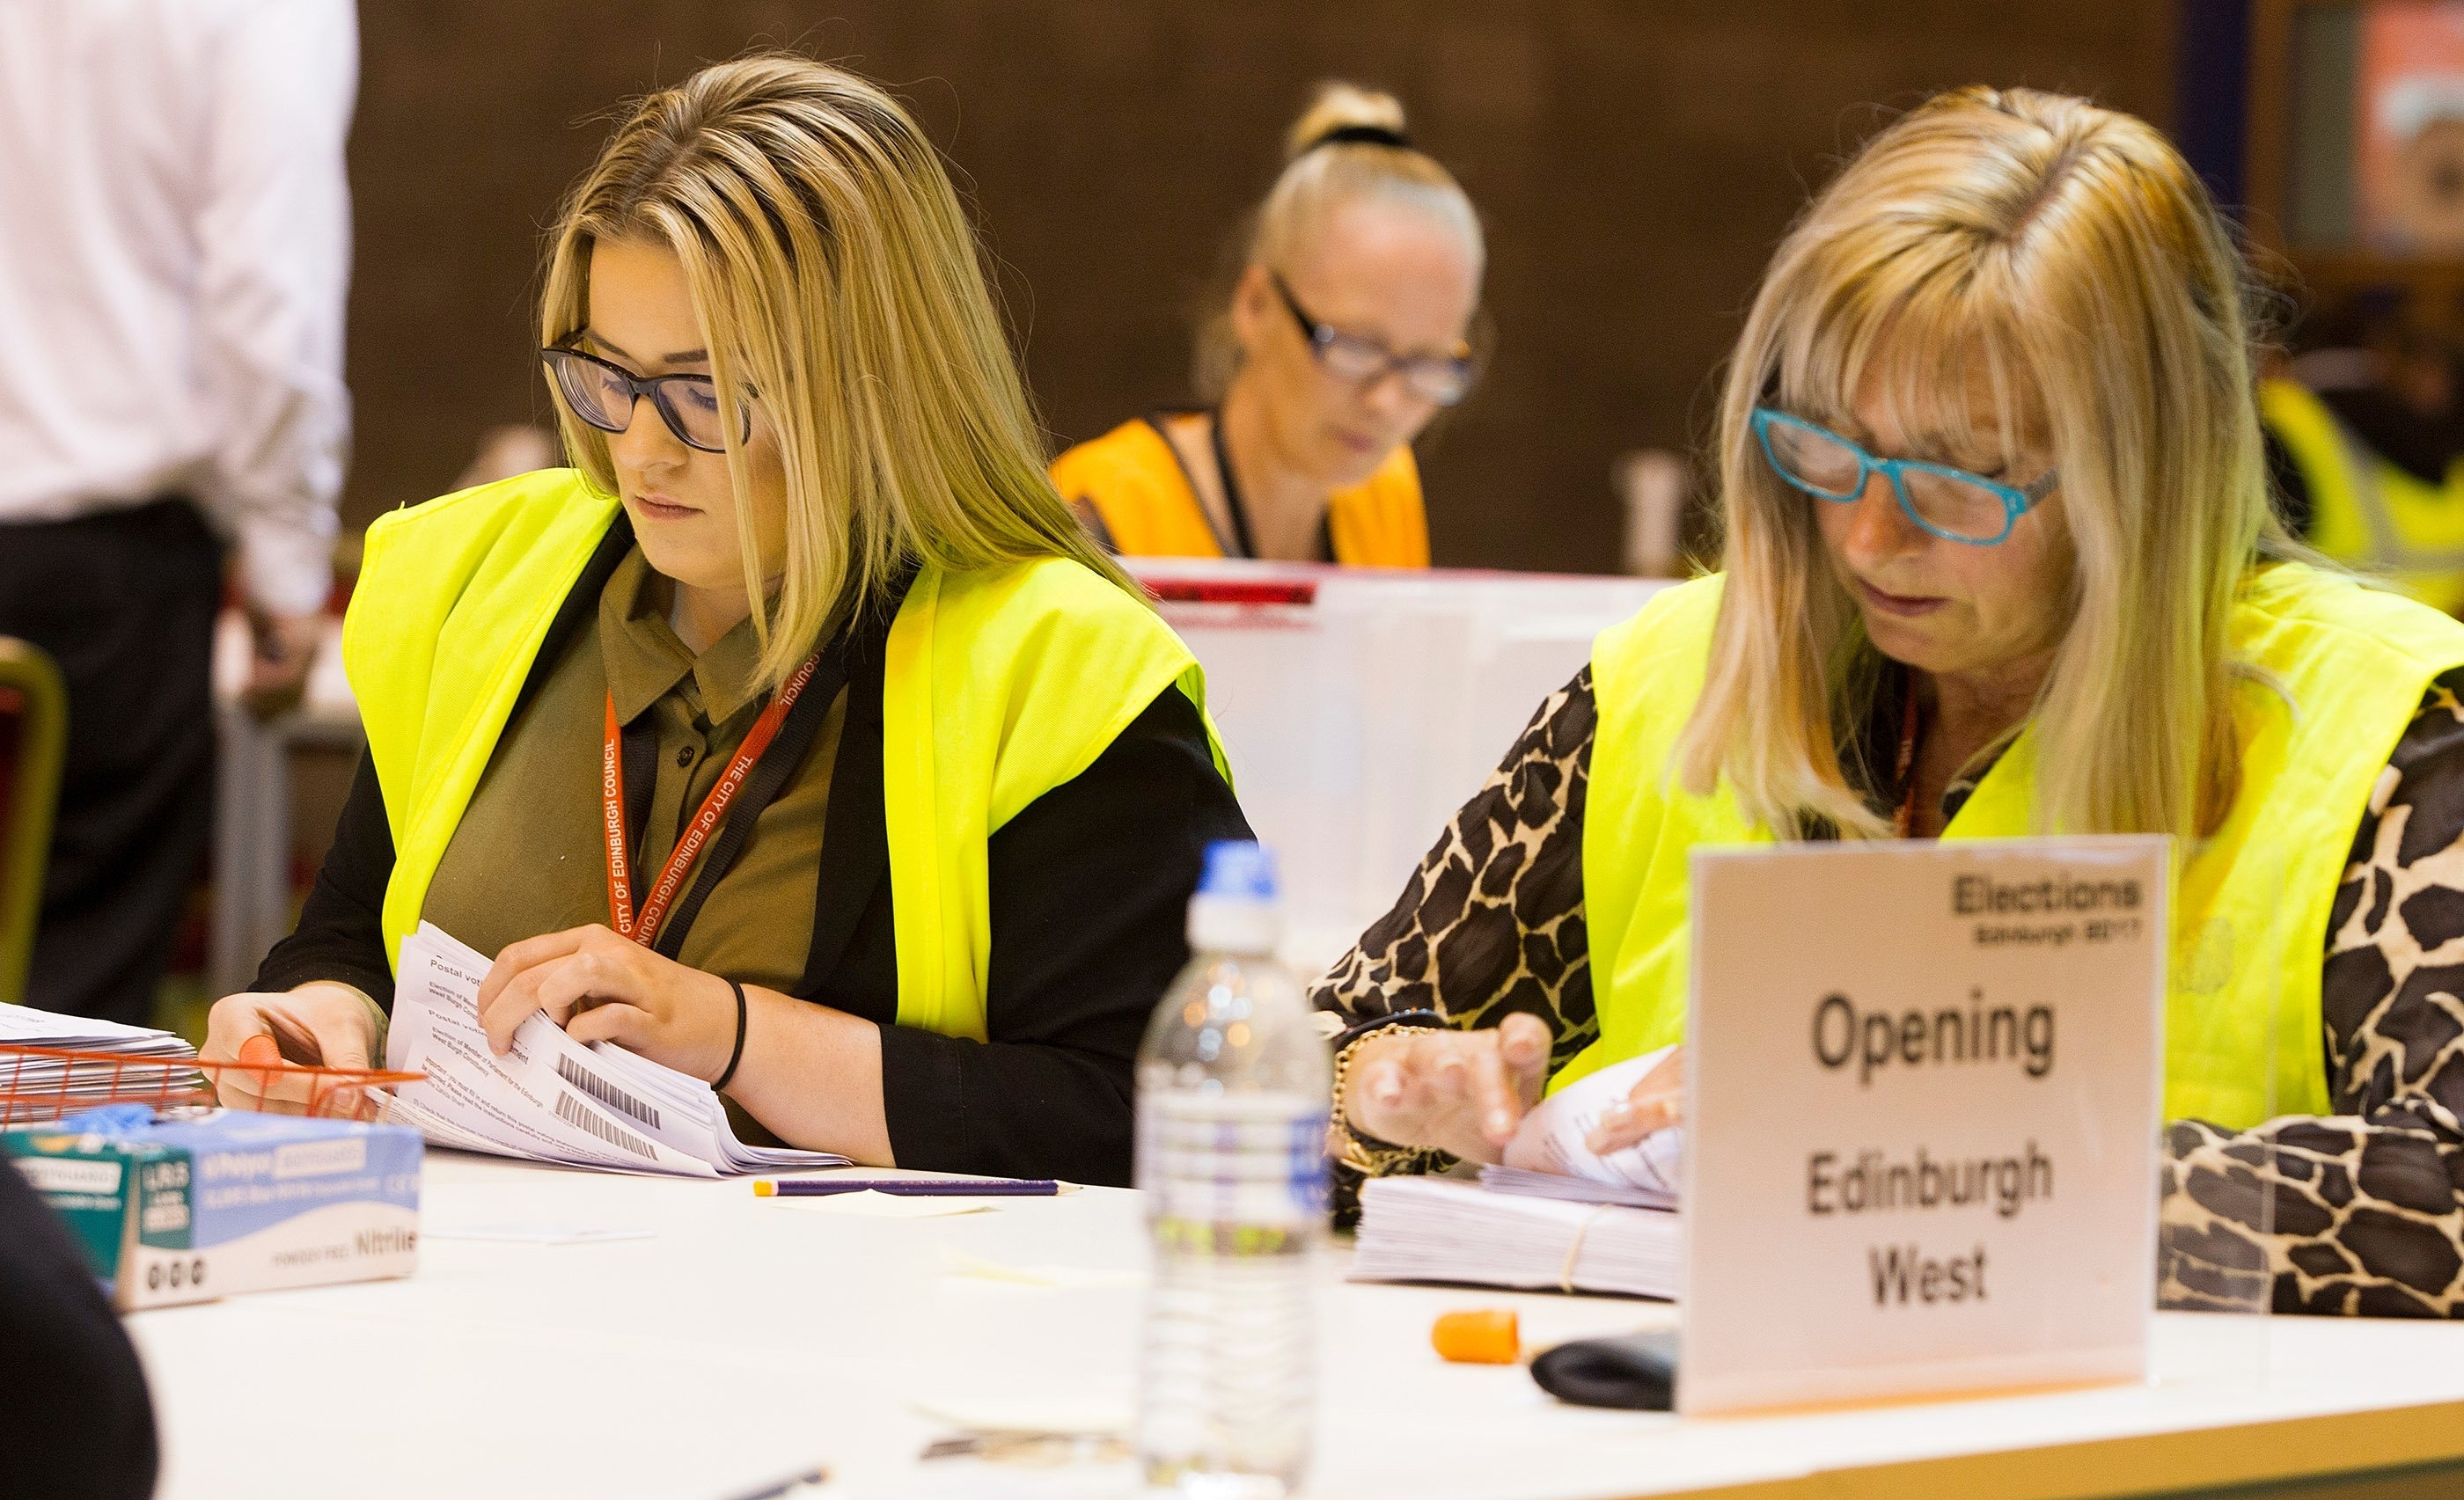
(2410,116)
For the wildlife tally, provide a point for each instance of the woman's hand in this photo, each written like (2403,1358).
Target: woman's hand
(601,986)
(317,1025)
(1656,1102)
(1461,1092)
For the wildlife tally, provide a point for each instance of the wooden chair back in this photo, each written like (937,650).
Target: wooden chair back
(33,729)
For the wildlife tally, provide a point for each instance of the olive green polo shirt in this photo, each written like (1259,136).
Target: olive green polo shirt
(528,859)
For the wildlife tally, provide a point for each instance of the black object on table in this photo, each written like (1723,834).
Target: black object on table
(1637,1372)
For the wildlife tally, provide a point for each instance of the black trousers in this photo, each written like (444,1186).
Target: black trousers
(125,603)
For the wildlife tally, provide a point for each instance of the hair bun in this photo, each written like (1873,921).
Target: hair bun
(1338,106)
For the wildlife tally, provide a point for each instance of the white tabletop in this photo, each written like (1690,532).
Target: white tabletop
(749,1338)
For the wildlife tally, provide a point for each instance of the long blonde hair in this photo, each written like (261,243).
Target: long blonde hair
(838,281)
(1319,177)
(2069,254)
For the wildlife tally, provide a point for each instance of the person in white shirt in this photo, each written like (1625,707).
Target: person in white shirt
(174,251)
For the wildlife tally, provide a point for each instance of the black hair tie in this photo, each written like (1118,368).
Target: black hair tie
(738,1056)
(1363,136)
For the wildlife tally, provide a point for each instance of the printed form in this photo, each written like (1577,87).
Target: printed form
(1548,1158)
(550,1098)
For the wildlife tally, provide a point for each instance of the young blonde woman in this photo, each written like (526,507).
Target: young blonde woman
(1999,560)
(809,595)
(1348,329)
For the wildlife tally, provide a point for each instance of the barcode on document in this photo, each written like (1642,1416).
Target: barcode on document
(606,1093)
(573,1112)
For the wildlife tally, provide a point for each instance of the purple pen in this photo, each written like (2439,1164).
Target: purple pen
(909,1187)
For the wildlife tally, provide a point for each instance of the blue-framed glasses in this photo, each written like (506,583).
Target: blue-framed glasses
(1949,503)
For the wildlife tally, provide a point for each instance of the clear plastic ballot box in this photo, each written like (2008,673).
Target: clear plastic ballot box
(1360,708)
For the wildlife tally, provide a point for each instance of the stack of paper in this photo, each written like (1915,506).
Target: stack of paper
(1553,1214)
(34,1088)
(1572,1189)
(551,1098)
(1436,1228)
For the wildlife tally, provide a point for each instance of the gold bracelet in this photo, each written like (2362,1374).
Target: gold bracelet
(1344,1144)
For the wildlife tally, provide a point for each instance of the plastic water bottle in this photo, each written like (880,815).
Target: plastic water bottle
(1232,1114)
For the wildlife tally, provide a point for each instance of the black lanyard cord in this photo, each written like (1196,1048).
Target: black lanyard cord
(1240,537)
(1240,509)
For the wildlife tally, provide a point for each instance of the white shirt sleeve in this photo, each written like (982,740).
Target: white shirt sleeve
(275,255)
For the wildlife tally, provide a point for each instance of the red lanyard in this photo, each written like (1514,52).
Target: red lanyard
(645,928)
(1903,822)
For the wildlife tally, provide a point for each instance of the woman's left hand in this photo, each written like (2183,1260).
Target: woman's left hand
(601,986)
(1656,1101)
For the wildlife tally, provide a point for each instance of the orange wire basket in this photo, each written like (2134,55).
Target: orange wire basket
(43,1083)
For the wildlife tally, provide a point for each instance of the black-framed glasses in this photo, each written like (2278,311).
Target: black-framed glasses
(1357,360)
(1950,503)
(602,395)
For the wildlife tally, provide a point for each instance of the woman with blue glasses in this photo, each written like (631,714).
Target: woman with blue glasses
(2000,559)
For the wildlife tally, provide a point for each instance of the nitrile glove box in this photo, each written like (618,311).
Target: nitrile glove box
(190,1210)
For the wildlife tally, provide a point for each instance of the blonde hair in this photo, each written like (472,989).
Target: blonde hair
(2069,254)
(1319,177)
(838,283)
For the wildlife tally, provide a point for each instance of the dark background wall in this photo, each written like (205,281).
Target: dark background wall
(1635,161)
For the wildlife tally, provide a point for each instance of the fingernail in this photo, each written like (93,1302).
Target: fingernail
(1499,1122)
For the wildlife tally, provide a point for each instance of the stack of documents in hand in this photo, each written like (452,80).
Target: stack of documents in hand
(551,1098)
(1553,1214)
(31,1088)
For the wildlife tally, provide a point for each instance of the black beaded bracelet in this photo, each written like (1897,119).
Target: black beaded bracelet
(738,1054)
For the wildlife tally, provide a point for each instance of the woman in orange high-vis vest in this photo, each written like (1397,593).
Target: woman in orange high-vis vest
(1347,331)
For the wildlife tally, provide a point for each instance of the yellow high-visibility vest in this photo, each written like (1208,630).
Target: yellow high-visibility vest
(2365,512)
(998,686)
(1132,477)
(2250,905)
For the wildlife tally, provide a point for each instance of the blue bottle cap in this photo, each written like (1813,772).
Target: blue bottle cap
(1240,870)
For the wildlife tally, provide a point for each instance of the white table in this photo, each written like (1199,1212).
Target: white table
(749,1339)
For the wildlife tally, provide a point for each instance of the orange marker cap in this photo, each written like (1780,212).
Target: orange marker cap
(1486,1337)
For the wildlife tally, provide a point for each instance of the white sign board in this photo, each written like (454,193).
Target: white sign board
(1923,1087)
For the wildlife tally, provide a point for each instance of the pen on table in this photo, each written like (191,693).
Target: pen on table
(810,1479)
(912,1186)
